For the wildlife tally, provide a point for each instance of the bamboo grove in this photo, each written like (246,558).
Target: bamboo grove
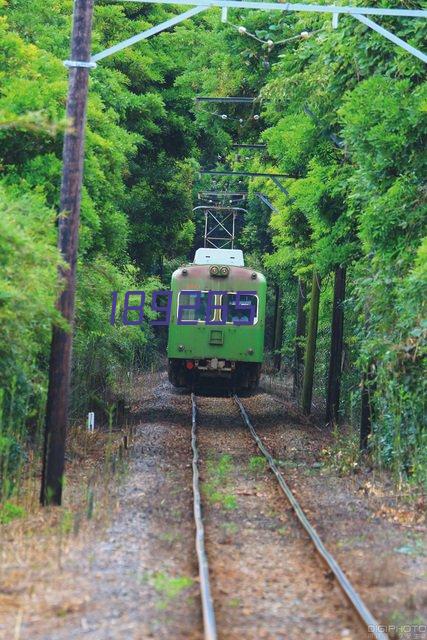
(341,112)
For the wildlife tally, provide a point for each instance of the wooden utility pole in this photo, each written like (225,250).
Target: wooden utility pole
(68,235)
(337,341)
(301,322)
(310,349)
(278,329)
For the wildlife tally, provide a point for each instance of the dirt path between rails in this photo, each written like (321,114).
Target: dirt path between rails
(136,578)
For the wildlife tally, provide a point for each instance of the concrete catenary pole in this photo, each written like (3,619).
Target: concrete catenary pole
(301,321)
(278,328)
(68,235)
(310,350)
(337,343)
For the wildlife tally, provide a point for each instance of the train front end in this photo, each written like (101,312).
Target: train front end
(217,322)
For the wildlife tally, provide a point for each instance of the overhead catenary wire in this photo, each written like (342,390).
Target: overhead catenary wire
(225,116)
(304,35)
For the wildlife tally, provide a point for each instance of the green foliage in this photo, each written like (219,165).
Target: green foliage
(345,115)
(28,268)
(215,489)
(257,464)
(170,588)
(10,511)
(343,455)
(353,140)
(104,353)
(342,114)
(66,522)
(291,142)
(136,198)
(11,459)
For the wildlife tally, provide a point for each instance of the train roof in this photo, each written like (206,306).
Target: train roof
(229,257)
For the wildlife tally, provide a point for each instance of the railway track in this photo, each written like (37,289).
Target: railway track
(369,625)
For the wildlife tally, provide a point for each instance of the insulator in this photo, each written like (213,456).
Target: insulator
(304,35)
(241,120)
(224,116)
(242,30)
(256,117)
(270,44)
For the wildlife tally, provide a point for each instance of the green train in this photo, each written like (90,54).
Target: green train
(222,336)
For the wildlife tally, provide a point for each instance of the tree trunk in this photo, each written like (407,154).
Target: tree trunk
(68,235)
(278,329)
(335,358)
(301,322)
(310,350)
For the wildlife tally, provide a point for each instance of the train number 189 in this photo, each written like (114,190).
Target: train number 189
(211,307)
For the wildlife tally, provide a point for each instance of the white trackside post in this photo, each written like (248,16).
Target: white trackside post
(91,421)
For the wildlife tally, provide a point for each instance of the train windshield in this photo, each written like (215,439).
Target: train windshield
(198,312)
(241,312)
(238,311)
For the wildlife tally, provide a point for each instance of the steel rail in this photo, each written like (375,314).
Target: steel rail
(209,623)
(363,613)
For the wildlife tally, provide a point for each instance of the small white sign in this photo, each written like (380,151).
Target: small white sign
(91,421)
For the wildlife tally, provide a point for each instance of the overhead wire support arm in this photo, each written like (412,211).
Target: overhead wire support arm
(390,36)
(359,13)
(280,185)
(249,174)
(248,146)
(226,99)
(267,202)
(149,32)
(230,194)
(336,140)
(293,6)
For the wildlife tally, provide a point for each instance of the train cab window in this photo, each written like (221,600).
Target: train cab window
(199,311)
(241,314)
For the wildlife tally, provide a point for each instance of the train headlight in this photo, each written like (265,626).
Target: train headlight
(222,272)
